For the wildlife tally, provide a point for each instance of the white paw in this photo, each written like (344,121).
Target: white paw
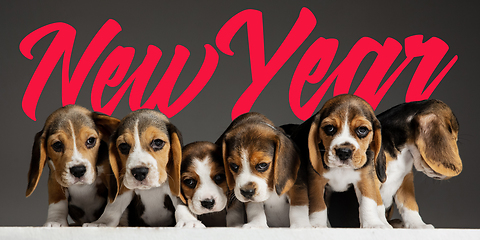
(420,226)
(55,224)
(255,225)
(301,225)
(377,225)
(94,224)
(189,224)
(319,225)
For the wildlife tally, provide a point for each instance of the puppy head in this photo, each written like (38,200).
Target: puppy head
(69,141)
(204,187)
(344,133)
(259,159)
(146,150)
(436,134)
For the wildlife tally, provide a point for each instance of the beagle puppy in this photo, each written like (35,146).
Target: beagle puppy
(145,151)
(203,184)
(423,134)
(73,142)
(342,143)
(261,168)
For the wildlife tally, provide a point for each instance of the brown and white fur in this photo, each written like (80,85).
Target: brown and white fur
(145,152)
(262,164)
(204,187)
(73,142)
(342,142)
(423,134)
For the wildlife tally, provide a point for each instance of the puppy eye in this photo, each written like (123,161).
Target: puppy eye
(90,143)
(362,132)
(124,148)
(234,167)
(330,130)
(219,178)
(157,144)
(57,146)
(191,183)
(262,167)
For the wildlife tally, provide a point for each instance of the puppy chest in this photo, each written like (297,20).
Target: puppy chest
(339,179)
(85,205)
(157,206)
(277,211)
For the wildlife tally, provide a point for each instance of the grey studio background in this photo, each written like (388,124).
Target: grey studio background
(192,24)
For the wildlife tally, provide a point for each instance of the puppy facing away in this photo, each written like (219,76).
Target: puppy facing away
(145,152)
(342,143)
(204,187)
(73,142)
(261,167)
(423,134)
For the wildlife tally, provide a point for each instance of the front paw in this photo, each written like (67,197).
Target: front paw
(94,224)
(301,225)
(419,226)
(377,225)
(55,224)
(190,224)
(254,225)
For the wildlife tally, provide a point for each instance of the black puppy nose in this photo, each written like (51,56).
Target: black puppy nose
(78,171)
(140,173)
(344,153)
(208,203)
(248,193)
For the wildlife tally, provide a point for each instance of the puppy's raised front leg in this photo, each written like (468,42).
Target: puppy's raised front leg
(183,216)
(113,211)
(407,205)
(256,217)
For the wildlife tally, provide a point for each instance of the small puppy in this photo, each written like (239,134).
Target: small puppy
(342,142)
(145,151)
(204,187)
(423,134)
(262,164)
(74,143)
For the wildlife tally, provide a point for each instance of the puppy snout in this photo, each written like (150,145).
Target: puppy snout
(344,153)
(139,173)
(78,171)
(248,192)
(208,203)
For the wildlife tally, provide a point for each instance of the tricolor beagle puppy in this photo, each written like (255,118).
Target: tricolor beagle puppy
(145,152)
(204,187)
(423,134)
(262,164)
(73,143)
(342,142)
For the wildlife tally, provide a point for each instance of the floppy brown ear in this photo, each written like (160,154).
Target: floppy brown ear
(437,146)
(228,173)
(378,154)
(313,148)
(37,163)
(286,164)
(113,177)
(175,161)
(105,124)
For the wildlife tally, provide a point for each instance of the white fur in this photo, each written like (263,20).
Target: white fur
(207,189)
(369,214)
(153,200)
(299,217)
(342,138)
(245,177)
(78,160)
(256,217)
(86,198)
(396,172)
(113,211)
(319,219)
(341,178)
(277,211)
(185,219)
(141,158)
(57,214)
(412,218)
